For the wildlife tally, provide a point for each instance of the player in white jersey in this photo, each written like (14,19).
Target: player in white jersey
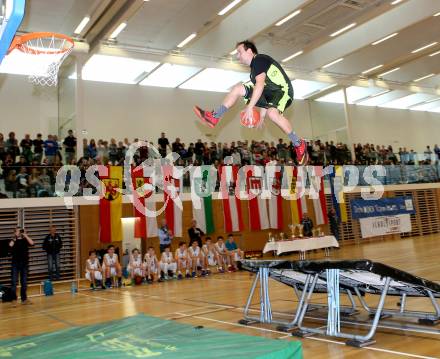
(196,259)
(222,254)
(182,260)
(210,256)
(93,270)
(168,265)
(151,266)
(135,267)
(111,266)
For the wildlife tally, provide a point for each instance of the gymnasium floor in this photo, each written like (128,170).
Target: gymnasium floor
(216,302)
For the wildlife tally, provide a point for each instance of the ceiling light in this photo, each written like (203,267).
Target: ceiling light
(372,69)
(188,39)
(233,52)
(435,53)
(343,29)
(118,30)
(395,2)
(388,72)
(438,14)
(424,47)
(384,39)
(287,18)
(332,63)
(296,54)
(82,25)
(424,77)
(229,7)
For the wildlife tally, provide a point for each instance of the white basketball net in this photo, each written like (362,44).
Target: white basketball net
(48,53)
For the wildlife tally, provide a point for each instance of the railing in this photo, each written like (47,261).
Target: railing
(43,184)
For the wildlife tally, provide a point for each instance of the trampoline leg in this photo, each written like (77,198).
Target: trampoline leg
(302,332)
(361,341)
(432,321)
(246,320)
(353,310)
(293,323)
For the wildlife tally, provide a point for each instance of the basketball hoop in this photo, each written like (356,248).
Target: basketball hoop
(48,51)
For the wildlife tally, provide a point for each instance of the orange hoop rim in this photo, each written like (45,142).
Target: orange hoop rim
(20,43)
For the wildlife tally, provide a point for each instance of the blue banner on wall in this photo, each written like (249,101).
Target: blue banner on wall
(361,208)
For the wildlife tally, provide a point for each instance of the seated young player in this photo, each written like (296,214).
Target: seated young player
(195,259)
(222,254)
(182,261)
(210,257)
(235,254)
(151,265)
(168,265)
(93,270)
(111,267)
(135,267)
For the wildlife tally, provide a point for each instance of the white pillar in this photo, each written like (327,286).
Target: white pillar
(80,125)
(348,125)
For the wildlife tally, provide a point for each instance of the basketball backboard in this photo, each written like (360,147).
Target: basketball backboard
(11,16)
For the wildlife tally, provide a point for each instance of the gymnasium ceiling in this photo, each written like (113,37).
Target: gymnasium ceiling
(154,28)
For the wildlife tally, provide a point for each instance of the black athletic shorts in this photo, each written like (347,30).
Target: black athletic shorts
(277,98)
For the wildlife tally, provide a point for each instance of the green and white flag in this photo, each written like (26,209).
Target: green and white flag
(203,181)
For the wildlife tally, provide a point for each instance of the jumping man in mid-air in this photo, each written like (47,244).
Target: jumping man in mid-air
(270,89)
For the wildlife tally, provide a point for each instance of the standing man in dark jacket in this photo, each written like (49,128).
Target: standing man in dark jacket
(52,245)
(307,225)
(334,223)
(19,247)
(195,234)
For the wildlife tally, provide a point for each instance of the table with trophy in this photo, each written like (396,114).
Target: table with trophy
(298,243)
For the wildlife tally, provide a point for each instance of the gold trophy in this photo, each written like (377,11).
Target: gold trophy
(281,236)
(300,230)
(315,232)
(292,229)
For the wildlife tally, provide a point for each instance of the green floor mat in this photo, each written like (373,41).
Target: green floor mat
(146,337)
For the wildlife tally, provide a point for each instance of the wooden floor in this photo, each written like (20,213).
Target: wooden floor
(217,302)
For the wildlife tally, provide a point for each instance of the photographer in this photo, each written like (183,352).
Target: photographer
(19,247)
(52,245)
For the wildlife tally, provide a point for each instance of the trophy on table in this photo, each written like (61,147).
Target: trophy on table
(300,230)
(271,238)
(282,236)
(315,232)
(292,229)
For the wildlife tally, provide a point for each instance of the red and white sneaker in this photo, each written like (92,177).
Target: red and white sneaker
(302,155)
(207,117)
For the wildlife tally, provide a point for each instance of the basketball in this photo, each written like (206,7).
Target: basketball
(252,123)
(138,280)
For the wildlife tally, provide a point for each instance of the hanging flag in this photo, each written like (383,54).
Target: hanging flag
(275,201)
(144,205)
(172,201)
(336,179)
(296,180)
(258,218)
(232,214)
(110,206)
(318,195)
(202,186)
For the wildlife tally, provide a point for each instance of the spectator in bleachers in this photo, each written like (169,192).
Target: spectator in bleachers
(22,183)
(50,149)
(70,146)
(2,147)
(113,152)
(12,145)
(437,152)
(91,149)
(26,148)
(52,245)
(38,148)
(163,143)
(199,148)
